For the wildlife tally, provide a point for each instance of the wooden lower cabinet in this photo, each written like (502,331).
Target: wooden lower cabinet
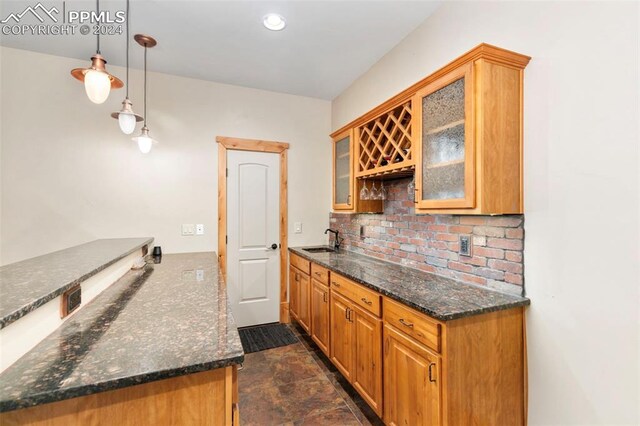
(206,398)
(299,294)
(341,335)
(411,368)
(356,348)
(304,313)
(367,377)
(320,315)
(412,382)
(294,292)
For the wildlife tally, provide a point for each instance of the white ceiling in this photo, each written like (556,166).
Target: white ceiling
(324,48)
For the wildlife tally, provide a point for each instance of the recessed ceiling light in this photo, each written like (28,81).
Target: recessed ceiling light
(274,22)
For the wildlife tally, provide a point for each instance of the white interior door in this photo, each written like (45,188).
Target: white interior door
(253,264)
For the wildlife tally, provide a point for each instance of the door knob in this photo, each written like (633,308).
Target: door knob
(273,246)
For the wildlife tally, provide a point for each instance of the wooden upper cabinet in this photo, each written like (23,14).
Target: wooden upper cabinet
(460,128)
(445,147)
(469,140)
(383,144)
(346,188)
(343,171)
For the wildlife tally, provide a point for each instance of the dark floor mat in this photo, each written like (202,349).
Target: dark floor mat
(268,336)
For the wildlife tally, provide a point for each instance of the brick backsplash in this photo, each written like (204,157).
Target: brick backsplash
(431,242)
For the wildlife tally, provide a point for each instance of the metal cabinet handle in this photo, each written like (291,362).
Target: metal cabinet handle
(368,302)
(324,297)
(297,277)
(318,273)
(349,199)
(335,283)
(346,314)
(431,378)
(406,324)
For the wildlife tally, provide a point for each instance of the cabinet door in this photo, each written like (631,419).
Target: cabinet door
(445,170)
(343,172)
(368,358)
(320,315)
(341,347)
(294,291)
(304,313)
(411,382)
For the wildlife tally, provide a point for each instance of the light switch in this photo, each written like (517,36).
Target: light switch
(200,229)
(297,227)
(188,229)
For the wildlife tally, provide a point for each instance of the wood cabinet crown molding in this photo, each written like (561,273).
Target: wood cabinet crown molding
(483,50)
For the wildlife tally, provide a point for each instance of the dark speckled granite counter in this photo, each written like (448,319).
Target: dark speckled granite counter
(166,320)
(439,297)
(26,285)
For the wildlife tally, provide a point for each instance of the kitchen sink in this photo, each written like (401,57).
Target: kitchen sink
(319,250)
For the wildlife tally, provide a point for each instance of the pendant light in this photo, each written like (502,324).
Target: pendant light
(126,117)
(143,139)
(97,81)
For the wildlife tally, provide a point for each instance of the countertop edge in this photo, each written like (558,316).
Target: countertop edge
(24,310)
(61,395)
(449,317)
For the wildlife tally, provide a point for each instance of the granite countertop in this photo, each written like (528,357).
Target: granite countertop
(439,297)
(31,283)
(165,320)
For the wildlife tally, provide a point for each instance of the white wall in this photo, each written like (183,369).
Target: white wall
(581,187)
(69,176)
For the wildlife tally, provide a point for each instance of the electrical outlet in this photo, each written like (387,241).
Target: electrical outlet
(200,229)
(297,227)
(199,274)
(188,229)
(465,245)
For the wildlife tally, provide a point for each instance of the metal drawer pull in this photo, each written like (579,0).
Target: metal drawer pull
(368,302)
(335,283)
(324,297)
(431,379)
(406,324)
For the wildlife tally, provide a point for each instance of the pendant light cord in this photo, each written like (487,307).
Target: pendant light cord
(98,32)
(145,84)
(127,23)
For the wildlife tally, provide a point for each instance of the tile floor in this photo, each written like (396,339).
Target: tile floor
(298,385)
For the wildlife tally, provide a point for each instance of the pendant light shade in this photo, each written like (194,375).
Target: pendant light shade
(97,81)
(127,119)
(144,141)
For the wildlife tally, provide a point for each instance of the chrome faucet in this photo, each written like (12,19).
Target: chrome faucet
(336,240)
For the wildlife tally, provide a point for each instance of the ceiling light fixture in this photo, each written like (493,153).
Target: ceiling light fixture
(127,119)
(97,81)
(145,142)
(274,22)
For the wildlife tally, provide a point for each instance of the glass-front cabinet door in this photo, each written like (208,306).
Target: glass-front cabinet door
(445,142)
(343,172)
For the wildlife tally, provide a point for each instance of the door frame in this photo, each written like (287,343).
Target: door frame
(228,143)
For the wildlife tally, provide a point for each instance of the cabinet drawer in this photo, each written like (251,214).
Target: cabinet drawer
(362,296)
(300,263)
(412,323)
(320,274)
